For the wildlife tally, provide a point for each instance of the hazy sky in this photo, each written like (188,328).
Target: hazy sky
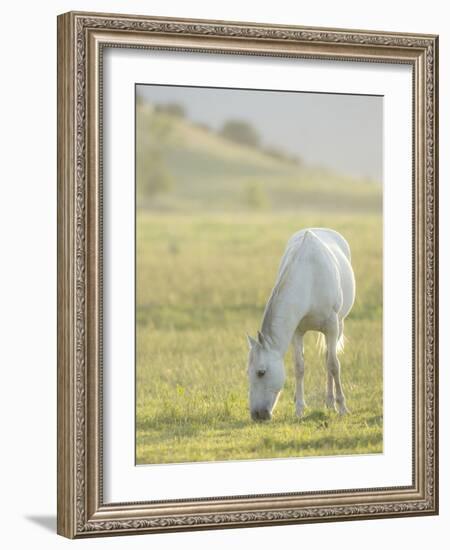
(340,132)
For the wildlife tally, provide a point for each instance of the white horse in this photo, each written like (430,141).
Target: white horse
(315,290)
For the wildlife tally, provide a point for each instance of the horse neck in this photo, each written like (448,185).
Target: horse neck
(281,317)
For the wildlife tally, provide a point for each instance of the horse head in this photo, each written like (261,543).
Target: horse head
(266,377)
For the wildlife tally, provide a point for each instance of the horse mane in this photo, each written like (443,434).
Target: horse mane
(288,260)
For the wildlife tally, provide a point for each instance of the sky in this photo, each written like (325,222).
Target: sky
(340,132)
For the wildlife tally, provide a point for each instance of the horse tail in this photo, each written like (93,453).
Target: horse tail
(322,345)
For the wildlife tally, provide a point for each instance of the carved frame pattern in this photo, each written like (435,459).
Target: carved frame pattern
(81,37)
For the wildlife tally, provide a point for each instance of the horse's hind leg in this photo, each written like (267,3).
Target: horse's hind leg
(334,368)
(299,363)
(330,400)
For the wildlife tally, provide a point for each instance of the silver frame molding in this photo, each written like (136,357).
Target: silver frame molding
(81,39)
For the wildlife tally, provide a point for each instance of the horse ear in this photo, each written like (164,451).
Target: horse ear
(251,342)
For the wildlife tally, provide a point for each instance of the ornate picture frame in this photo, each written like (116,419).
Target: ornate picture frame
(82,38)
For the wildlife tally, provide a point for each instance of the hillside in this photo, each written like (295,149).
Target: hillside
(205,170)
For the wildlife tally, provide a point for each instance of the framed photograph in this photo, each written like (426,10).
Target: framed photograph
(247,274)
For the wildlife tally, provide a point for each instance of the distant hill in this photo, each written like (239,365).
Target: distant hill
(209,171)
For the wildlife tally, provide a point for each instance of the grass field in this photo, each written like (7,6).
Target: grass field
(202,283)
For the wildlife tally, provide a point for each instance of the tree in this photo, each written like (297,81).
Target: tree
(154,177)
(241,132)
(153,135)
(255,196)
(173,109)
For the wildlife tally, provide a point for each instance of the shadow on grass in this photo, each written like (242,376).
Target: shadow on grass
(326,445)
(375,420)
(192,425)
(168,426)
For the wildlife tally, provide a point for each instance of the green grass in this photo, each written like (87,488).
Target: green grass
(202,282)
(206,263)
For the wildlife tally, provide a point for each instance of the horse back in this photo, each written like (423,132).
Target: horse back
(333,239)
(322,259)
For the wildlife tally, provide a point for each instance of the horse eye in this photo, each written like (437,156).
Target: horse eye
(260,373)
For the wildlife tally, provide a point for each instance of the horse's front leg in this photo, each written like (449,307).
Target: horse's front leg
(297,343)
